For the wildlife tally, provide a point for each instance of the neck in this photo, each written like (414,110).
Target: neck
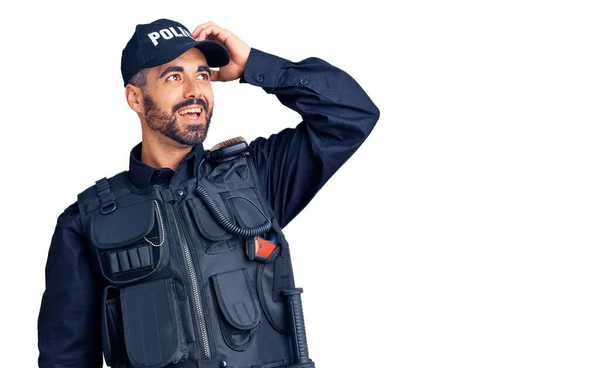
(161,152)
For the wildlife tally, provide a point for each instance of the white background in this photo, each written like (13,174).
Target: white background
(463,233)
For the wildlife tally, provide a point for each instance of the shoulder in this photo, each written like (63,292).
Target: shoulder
(69,219)
(90,194)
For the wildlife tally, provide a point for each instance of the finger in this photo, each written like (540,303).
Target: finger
(201,35)
(197,30)
(210,33)
(209,37)
(204,33)
(215,33)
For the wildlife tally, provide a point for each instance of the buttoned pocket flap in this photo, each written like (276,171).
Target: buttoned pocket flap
(236,302)
(205,220)
(131,242)
(247,208)
(123,226)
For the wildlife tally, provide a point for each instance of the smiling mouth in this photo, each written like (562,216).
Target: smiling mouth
(192,114)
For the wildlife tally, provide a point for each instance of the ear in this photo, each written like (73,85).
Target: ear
(135,98)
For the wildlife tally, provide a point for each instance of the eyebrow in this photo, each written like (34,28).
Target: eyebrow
(204,68)
(173,68)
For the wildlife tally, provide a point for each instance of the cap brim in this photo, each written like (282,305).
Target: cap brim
(216,54)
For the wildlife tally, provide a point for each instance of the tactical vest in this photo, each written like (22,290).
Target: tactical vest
(197,274)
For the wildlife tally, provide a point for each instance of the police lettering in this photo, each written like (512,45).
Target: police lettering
(167,34)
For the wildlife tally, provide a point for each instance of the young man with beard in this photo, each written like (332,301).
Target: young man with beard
(133,268)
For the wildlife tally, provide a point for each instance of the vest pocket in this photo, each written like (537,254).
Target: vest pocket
(271,302)
(213,237)
(130,242)
(152,323)
(113,344)
(238,311)
(246,207)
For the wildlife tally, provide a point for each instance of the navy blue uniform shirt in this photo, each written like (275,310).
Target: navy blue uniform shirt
(337,116)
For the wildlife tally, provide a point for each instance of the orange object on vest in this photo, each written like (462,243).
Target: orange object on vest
(259,249)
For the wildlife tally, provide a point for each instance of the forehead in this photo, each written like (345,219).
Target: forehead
(192,58)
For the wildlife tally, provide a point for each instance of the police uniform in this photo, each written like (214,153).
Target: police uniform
(190,268)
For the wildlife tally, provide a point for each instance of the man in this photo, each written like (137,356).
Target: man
(180,261)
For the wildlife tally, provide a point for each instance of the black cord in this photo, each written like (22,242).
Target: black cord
(255,206)
(227,225)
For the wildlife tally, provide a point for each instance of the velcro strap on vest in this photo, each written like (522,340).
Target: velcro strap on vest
(107,197)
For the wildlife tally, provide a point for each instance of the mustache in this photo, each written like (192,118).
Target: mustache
(191,101)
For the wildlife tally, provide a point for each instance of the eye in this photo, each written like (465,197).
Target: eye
(203,76)
(174,77)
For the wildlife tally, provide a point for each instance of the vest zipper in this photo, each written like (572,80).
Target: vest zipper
(194,283)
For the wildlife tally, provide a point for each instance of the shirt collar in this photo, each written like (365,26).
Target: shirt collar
(143,175)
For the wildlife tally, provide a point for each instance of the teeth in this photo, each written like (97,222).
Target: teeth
(188,111)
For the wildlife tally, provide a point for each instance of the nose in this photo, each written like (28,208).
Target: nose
(192,89)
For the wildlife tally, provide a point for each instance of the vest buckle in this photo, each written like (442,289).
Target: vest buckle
(108,208)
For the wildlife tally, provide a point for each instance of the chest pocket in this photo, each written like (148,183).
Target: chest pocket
(213,237)
(241,208)
(130,242)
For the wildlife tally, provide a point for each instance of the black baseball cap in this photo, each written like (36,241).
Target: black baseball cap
(161,41)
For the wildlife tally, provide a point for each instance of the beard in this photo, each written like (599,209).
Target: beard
(166,124)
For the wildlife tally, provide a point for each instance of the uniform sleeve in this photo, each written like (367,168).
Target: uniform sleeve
(337,116)
(69,318)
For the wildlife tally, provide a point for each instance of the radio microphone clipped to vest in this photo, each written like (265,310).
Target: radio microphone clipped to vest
(228,150)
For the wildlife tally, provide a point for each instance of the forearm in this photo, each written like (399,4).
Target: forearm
(312,87)
(337,117)
(69,318)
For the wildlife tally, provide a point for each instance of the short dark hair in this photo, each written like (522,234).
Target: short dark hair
(139,78)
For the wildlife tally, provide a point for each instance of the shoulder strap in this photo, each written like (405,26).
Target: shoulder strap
(103,194)
(108,202)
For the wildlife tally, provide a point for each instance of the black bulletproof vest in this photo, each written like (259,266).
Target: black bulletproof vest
(181,290)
